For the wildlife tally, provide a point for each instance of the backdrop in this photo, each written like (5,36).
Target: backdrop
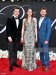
(6,9)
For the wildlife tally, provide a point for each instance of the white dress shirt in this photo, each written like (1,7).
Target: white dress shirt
(40,21)
(17,21)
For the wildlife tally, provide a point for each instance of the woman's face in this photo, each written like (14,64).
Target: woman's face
(29,12)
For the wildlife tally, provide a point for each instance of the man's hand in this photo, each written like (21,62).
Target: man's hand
(46,42)
(9,39)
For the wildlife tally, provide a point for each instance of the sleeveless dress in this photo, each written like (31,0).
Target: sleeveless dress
(29,51)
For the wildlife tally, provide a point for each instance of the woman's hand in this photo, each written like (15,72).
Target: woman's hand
(36,39)
(22,40)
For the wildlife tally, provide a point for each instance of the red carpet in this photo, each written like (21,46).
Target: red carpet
(4,69)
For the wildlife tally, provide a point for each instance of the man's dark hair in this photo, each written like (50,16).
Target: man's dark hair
(43,8)
(15,8)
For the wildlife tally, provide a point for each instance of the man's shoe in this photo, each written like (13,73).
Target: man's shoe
(41,65)
(11,68)
(46,69)
(16,65)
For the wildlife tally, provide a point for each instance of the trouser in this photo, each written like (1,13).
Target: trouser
(13,47)
(44,54)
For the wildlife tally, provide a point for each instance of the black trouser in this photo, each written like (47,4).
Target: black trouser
(13,47)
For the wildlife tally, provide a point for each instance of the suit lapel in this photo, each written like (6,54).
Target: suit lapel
(41,23)
(14,22)
(38,23)
(19,22)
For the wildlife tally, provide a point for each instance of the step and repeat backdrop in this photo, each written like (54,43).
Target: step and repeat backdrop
(6,9)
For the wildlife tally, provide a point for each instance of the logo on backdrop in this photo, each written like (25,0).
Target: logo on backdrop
(3,16)
(6,11)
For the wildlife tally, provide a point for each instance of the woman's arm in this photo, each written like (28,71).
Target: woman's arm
(22,32)
(35,23)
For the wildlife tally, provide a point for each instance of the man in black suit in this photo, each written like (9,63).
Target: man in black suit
(13,29)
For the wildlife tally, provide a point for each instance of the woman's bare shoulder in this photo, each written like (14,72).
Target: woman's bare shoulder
(24,19)
(34,18)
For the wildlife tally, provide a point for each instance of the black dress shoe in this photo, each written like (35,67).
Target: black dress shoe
(16,65)
(11,68)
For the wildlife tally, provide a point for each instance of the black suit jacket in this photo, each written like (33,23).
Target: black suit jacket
(12,30)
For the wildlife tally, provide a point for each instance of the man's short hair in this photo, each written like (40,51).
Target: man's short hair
(15,8)
(43,8)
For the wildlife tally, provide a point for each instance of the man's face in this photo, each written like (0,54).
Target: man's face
(16,12)
(43,12)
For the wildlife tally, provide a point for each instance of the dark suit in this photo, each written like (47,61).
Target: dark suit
(44,35)
(15,34)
